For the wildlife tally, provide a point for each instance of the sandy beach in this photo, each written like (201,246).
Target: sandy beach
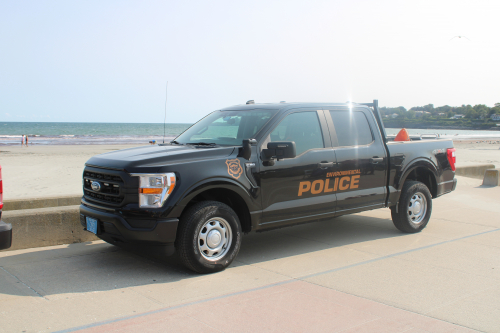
(47,171)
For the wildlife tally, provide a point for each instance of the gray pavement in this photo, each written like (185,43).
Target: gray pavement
(355,273)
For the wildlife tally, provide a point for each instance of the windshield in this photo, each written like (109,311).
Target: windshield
(226,127)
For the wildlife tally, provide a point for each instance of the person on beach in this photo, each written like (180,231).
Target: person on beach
(22,141)
(26,140)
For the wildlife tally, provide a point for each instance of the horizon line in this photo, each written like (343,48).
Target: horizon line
(84,122)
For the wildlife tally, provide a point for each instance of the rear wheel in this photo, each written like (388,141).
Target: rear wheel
(414,207)
(209,237)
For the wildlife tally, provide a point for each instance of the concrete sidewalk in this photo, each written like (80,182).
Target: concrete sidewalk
(352,274)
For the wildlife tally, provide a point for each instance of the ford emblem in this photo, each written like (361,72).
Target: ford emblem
(96,186)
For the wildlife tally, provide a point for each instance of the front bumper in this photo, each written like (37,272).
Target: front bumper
(5,235)
(114,228)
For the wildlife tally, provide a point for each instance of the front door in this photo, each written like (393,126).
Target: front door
(297,189)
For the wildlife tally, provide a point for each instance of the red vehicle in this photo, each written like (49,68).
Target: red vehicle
(5,228)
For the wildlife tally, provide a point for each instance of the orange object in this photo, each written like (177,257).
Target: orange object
(150,190)
(172,185)
(402,135)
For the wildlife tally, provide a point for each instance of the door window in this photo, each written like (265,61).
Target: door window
(301,127)
(352,128)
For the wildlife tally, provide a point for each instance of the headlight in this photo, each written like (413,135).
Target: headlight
(154,189)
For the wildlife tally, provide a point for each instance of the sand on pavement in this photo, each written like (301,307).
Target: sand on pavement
(46,171)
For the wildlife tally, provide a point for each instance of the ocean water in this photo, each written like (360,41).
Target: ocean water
(86,133)
(44,133)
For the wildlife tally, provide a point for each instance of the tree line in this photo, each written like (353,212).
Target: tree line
(427,116)
(478,111)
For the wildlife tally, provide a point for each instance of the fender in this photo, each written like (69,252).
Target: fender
(211,183)
(416,163)
(400,178)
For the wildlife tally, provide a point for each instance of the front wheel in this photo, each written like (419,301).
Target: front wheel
(209,237)
(414,208)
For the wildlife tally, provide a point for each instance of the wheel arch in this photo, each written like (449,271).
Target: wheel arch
(226,191)
(423,171)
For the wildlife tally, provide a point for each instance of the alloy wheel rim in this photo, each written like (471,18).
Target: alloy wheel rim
(214,239)
(417,208)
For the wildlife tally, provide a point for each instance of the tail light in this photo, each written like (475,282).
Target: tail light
(451,158)
(1,189)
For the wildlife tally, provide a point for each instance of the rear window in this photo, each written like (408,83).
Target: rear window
(352,128)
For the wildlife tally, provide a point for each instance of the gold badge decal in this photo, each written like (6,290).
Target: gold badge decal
(234,168)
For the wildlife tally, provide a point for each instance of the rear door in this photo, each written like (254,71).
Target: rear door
(294,189)
(360,174)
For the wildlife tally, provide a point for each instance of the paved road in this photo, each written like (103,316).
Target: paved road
(352,274)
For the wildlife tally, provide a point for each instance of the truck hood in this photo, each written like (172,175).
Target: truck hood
(152,158)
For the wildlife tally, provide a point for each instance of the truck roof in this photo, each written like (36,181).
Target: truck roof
(284,106)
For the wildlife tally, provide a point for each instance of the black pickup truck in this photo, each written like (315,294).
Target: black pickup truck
(256,167)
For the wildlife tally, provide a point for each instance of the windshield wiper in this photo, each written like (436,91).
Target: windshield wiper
(201,143)
(177,143)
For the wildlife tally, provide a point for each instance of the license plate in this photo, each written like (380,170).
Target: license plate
(91,224)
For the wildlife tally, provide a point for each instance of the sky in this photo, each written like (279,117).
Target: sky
(109,61)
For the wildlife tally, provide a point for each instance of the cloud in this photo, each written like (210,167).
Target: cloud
(7,114)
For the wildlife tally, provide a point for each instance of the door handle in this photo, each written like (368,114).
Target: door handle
(324,165)
(376,159)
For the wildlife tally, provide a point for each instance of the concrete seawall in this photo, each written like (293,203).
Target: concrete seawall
(473,171)
(46,226)
(38,222)
(32,203)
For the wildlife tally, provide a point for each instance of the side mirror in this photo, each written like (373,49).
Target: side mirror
(279,150)
(246,149)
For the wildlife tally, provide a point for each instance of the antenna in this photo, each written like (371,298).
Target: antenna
(165,119)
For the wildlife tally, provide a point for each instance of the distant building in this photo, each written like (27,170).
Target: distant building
(441,114)
(419,114)
(457,116)
(495,117)
(394,115)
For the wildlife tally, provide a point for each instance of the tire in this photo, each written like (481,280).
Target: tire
(209,237)
(414,207)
